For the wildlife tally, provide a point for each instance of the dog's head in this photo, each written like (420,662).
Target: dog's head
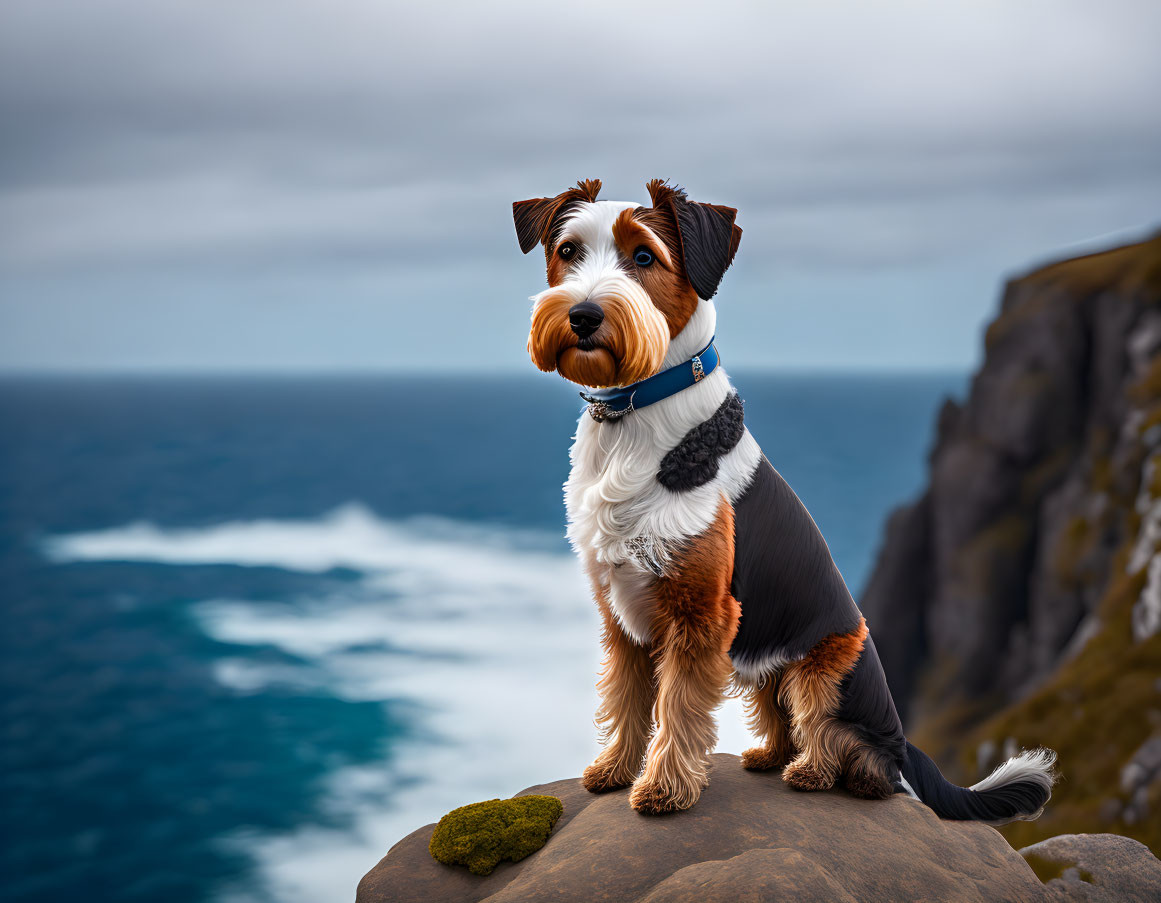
(623,279)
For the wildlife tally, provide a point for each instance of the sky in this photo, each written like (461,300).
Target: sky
(279,185)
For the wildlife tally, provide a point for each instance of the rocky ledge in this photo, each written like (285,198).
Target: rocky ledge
(751,838)
(1017,602)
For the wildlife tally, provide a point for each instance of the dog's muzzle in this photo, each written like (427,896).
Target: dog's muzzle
(585,318)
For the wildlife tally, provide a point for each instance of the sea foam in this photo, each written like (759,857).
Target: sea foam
(487,634)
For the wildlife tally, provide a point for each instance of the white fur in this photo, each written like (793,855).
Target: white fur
(754,671)
(621,520)
(629,597)
(597,272)
(694,337)
(1032,765)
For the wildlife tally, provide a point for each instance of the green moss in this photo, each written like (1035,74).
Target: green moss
(989,557)
(1099,706)
(1012,321)
(1102,474)
(943,713)
(1044,475)
(1074,544)
(1129,269)
(480,835)
(1047,869)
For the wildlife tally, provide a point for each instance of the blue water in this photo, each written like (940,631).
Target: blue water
(257,630)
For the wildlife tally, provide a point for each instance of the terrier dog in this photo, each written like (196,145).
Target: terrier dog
(704,564)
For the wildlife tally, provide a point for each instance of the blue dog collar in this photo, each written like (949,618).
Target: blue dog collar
(613,404)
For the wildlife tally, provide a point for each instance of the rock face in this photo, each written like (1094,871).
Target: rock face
(1007,551)
(749,838)
(1096,868)
(1030,563)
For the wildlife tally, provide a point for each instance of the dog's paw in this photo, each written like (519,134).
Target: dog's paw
(805,777)
(868,785)
(605,775)
(654,798)
(760,758)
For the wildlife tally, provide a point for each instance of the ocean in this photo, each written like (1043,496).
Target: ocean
(255,630)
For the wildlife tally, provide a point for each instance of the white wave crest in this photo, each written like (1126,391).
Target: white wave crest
(350,536)
(487,633)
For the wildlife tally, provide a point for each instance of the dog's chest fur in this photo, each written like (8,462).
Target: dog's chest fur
(622,521)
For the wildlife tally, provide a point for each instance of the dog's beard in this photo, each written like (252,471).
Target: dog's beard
(629,345)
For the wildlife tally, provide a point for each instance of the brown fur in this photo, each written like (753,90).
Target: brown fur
(622,352)
(827,748)
(671,686)
(536,218)
(625,717)
(658,699)
(768,719)
(665,197)
(694,624)
(631,233)
(665,280)
(662,193)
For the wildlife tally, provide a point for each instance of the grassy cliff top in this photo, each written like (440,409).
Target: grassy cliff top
(1128,268)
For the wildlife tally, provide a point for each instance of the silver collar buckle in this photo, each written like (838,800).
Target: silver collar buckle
(601,412)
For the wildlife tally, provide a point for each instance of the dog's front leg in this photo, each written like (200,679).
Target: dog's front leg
(692,678)
(627,690)
(695,622)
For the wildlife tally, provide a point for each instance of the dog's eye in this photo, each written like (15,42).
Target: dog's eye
(566,251)
(642,257)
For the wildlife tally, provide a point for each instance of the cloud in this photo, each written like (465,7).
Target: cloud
(213,142)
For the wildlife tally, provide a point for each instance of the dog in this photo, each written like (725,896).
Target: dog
(708,571)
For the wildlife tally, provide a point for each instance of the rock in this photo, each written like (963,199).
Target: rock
(1020,597)
(1138,777)
(1031,493)
(1096,868)
(1144,766)
(750,838)
(883,603)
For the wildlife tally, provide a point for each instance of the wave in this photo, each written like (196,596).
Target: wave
(351,536)
(488,635)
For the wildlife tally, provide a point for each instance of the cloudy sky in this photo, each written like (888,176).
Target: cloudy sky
(288,185)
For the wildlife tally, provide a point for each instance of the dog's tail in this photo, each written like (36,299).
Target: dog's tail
(1018,789)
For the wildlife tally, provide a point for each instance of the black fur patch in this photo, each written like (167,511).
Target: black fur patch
(694,461)
(1004,802)
(707,243)
(792,594)
(866,703)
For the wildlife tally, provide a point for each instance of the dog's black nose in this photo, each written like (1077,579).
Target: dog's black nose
(585,318)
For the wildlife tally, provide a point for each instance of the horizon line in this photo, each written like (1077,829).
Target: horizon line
(429,373)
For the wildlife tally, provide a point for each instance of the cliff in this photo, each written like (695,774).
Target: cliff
(751,838)
(1017,602)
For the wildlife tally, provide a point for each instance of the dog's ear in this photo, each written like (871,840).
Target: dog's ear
(535,217)
(708,234)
